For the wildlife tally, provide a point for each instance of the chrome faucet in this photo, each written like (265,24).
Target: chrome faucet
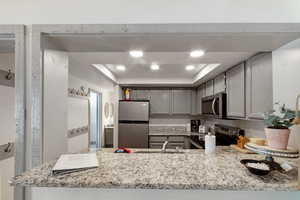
(164,146)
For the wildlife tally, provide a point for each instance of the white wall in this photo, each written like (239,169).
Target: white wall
(105,88)
(145,11)
(78,116)
(286,80)
(7,127)
(55,104)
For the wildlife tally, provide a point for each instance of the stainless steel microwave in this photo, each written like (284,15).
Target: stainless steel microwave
(215,106)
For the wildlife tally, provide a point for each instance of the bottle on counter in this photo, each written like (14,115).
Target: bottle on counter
(210,143)
(127,94)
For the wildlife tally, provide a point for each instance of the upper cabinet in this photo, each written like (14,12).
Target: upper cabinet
(181,101)
(248,86)
(160,101)
(200,94)
(140,94)
(235,80)
(194,108)
(209,89)
(259,92)
(220,83)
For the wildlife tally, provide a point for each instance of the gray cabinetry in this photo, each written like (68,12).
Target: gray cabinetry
(108,137)
(200,94)
(194,102)
(160,101)
(219,83)
(181,101)
(140,94)
(182,142)
(236,91)
(259,85)
(209,88)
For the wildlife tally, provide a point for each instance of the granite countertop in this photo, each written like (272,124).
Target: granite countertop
(189,170)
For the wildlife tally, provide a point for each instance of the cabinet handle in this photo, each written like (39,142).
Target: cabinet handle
(213,105)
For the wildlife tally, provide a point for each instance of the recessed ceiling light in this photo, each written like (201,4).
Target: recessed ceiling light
(136,53)
(197,53)
(190,67)
(121,67)
(154,67)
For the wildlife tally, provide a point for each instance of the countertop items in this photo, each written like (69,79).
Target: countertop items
(187,169)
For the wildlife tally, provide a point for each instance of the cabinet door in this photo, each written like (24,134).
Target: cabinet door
(181,101)
(259,95)
(160,101)
(219,84)
(236,91)
(200,94)
(133,94)
(194,102)
(209,90)
(142,94)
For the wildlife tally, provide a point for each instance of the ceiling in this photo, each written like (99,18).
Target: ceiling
(210,42)
(172,64)
(170,51)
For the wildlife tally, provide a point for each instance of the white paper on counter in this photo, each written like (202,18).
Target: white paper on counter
(74,162)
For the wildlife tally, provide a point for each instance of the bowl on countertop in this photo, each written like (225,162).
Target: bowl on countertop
(257,171)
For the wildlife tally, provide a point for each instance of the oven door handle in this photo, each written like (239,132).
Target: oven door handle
(213,105)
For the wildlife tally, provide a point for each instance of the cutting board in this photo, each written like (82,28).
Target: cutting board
(237,148)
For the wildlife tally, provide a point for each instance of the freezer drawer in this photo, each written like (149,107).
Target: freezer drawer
(133,135)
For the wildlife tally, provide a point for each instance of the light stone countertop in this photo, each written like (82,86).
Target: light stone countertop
(189,170)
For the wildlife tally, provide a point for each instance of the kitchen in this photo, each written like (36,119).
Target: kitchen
(229,90)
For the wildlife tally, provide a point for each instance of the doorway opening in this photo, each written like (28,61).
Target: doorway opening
(95,120)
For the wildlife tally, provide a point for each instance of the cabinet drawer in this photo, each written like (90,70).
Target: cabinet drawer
(173,145)
(155,145)
(176,138)
(158,138)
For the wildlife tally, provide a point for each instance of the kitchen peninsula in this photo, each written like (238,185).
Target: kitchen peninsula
(186,170)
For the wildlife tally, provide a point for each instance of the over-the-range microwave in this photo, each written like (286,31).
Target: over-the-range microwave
(215,106)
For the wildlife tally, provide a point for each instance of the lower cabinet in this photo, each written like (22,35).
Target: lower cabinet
(182,142)
(108,137)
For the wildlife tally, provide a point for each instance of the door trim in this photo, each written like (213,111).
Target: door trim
(18,31)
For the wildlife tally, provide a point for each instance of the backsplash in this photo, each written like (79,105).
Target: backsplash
(166,128)
(251,128)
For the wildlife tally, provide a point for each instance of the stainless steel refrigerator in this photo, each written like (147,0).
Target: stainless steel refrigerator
(134,124)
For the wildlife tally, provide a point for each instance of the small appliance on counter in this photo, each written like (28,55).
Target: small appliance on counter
(195,125)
